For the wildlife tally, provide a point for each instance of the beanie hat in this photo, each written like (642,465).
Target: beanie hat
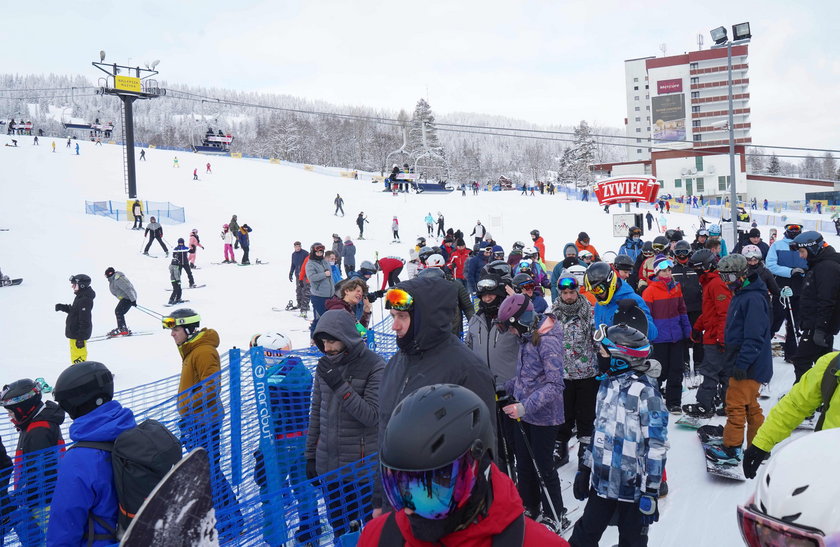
(662,262)
(583,236)
(755,232)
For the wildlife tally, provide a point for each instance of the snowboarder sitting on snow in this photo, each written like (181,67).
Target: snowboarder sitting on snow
(79,325)
(623,467)
(121,287)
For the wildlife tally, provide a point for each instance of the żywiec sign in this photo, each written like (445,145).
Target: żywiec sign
(626,190)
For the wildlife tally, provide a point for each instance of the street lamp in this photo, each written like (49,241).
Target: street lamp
(740,35)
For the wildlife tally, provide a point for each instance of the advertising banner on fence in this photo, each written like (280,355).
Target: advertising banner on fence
(668,117)
(626,190)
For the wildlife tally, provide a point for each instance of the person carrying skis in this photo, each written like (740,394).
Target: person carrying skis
(395,230)
(339,205)
(195,243)
(487,510)
(121,287)
(344,417)
(85,486)
(200,407)
(155,232)
(748,357)
(79,325)
(360,222)
(623,468)
(137,212)
(39,426)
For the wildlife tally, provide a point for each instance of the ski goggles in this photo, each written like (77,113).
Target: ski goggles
(658,247)
(664,265)
(398,299)
(432,494)
(527,285)
(318,248)
(526,320)
(567,284)
(486,285)
(793,228)
(759,530)
(599,289)
(703,233)
(682,253)
(172,322)
(649,253)
(11,401)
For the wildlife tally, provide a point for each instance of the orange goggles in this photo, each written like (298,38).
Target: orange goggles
(398,299)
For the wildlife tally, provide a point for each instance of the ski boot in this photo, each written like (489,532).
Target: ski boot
(710,434)
(697,411)
(724,455)
(303,313)
(114,332)
(290,306)
(561,454)
(192,285)
(675,410)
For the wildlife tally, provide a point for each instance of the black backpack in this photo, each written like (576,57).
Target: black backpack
(140,457)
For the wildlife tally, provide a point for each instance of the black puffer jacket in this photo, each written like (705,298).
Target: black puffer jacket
(820,296)
(690,284)
(343,423)
(78,325)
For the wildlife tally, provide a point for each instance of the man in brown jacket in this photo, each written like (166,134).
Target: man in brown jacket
(201,409)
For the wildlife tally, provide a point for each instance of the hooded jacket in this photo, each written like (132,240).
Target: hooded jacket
(631,248)
(716,299)
(78,325)
(348,254)
(667,308)
(458,262)
(198,397)
(343,424)
(319,273)
(121,287)
(538,383)
(429,353)
(86,478)
(604,312)
(748,332)
(820,294)
(498,350)
(36,467)
(506,507)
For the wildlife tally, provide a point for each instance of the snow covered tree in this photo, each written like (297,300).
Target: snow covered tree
(583,154)
(810,167)
(774,168)
(756,161)
(423,115)
(829,167)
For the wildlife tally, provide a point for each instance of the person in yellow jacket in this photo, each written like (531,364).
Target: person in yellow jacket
(801,401)
(200,406)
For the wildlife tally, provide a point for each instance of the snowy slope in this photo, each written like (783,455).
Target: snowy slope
(51,238)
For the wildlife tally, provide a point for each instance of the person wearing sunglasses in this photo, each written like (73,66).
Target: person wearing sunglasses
(790,504)
(748,357)
(498,350)
(580,366)
(789,269)
(570,258)
(664,297)
(427,351)
(538,388)
(436,462)
(79,325)
(524,283)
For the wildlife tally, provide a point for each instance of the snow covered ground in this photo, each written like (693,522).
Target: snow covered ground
(50,238)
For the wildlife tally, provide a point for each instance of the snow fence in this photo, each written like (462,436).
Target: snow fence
(163,211)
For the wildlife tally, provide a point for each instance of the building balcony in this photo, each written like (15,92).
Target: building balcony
(720,113)
(719,83)
(718,69)
(720,98)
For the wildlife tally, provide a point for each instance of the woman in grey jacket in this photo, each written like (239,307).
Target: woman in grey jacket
(321,284)
(122,288)
(344,420)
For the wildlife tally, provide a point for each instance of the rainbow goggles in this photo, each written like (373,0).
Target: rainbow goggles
(398,299)
(172,322)
(567,283)
(432,494)
(760,530)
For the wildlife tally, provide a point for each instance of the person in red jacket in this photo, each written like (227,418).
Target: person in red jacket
(436,460)
(458,260)
(539,243)
(391,267)
(709,329)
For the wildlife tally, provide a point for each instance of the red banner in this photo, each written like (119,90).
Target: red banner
(626,190)
(669,86)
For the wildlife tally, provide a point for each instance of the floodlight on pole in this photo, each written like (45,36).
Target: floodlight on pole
(719,35)
(741,31)
(101,55)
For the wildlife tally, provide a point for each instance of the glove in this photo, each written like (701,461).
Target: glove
(786,292)
(649,508)
(797,271)
(311,472)
(580,488)
(820,338)
(62,307)
(753,456)
(330,374)
(80,344)
(739,373)
(290,278)
(134,303)
(697,336)
(515,411)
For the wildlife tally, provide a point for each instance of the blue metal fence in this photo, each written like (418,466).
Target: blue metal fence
(163,211)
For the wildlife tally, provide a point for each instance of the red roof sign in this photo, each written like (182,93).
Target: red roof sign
(626,190)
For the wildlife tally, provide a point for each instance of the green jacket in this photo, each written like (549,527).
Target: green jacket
(800,402)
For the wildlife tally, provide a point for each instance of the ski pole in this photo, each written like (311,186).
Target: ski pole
(539,474)
(500,416)
(147,311)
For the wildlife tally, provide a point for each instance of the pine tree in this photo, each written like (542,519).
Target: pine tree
(774,168)
(829,167)
(584,154)
(423,116)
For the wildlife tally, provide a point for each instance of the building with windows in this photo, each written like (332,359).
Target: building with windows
(637,123)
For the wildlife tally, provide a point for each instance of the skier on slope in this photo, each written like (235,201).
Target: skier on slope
(155,232)
(229,239)
(178,264)
(487,510)
(478,232)
(395,230)
(360,222)
(137,213)
(195,242)
(78,326)
(631,428)
(121,287)
(430,224)
(339,205)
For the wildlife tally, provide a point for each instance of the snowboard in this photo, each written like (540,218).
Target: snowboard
(10,282)
(188,287)
(732,472)
(631,316)
(111,337)
(168,305)
(692,422)
(179,511)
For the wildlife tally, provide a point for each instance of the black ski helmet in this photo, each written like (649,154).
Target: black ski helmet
(81,280)
(601,281)
(521,279)
(498,267)
(628,347)
(703,260)
(682,250)
(535,234)
(623,263)
(183,317)
(22,398)
(661,242)
(421,241)
(674,235)
(811,241)
(83,387)
(634,231)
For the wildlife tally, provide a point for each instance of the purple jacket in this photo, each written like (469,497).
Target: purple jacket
(667,307)
(538,383)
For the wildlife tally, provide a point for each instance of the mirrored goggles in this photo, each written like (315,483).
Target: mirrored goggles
(567,283)
(598,289)
(703,233)
(664,265)
(759,530)
(658,247)
(433,494)
(398,299)
(169,322)
(486,285)
(529,286)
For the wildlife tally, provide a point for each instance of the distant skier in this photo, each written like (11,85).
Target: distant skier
(339,205)
(244,242)
(649,220)
(440,231)
(35,141)
(195,242)
(175,162)
(360,222)
(142,155)
(68,142)
(137,212)
(179,261)
(77,149)
(208,171)
(79,325)
(228,237)
(121,287)
(195,173)
(155,232)
(478,232)
(395,228)
(53,146)
(430,224)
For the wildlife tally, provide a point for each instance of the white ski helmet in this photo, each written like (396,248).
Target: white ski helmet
(529,250)
(751,251)
(796,486)
(585,254)
(435,261)
(272,340)
(577,271)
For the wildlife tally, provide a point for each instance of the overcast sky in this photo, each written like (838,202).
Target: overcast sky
(548,62)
